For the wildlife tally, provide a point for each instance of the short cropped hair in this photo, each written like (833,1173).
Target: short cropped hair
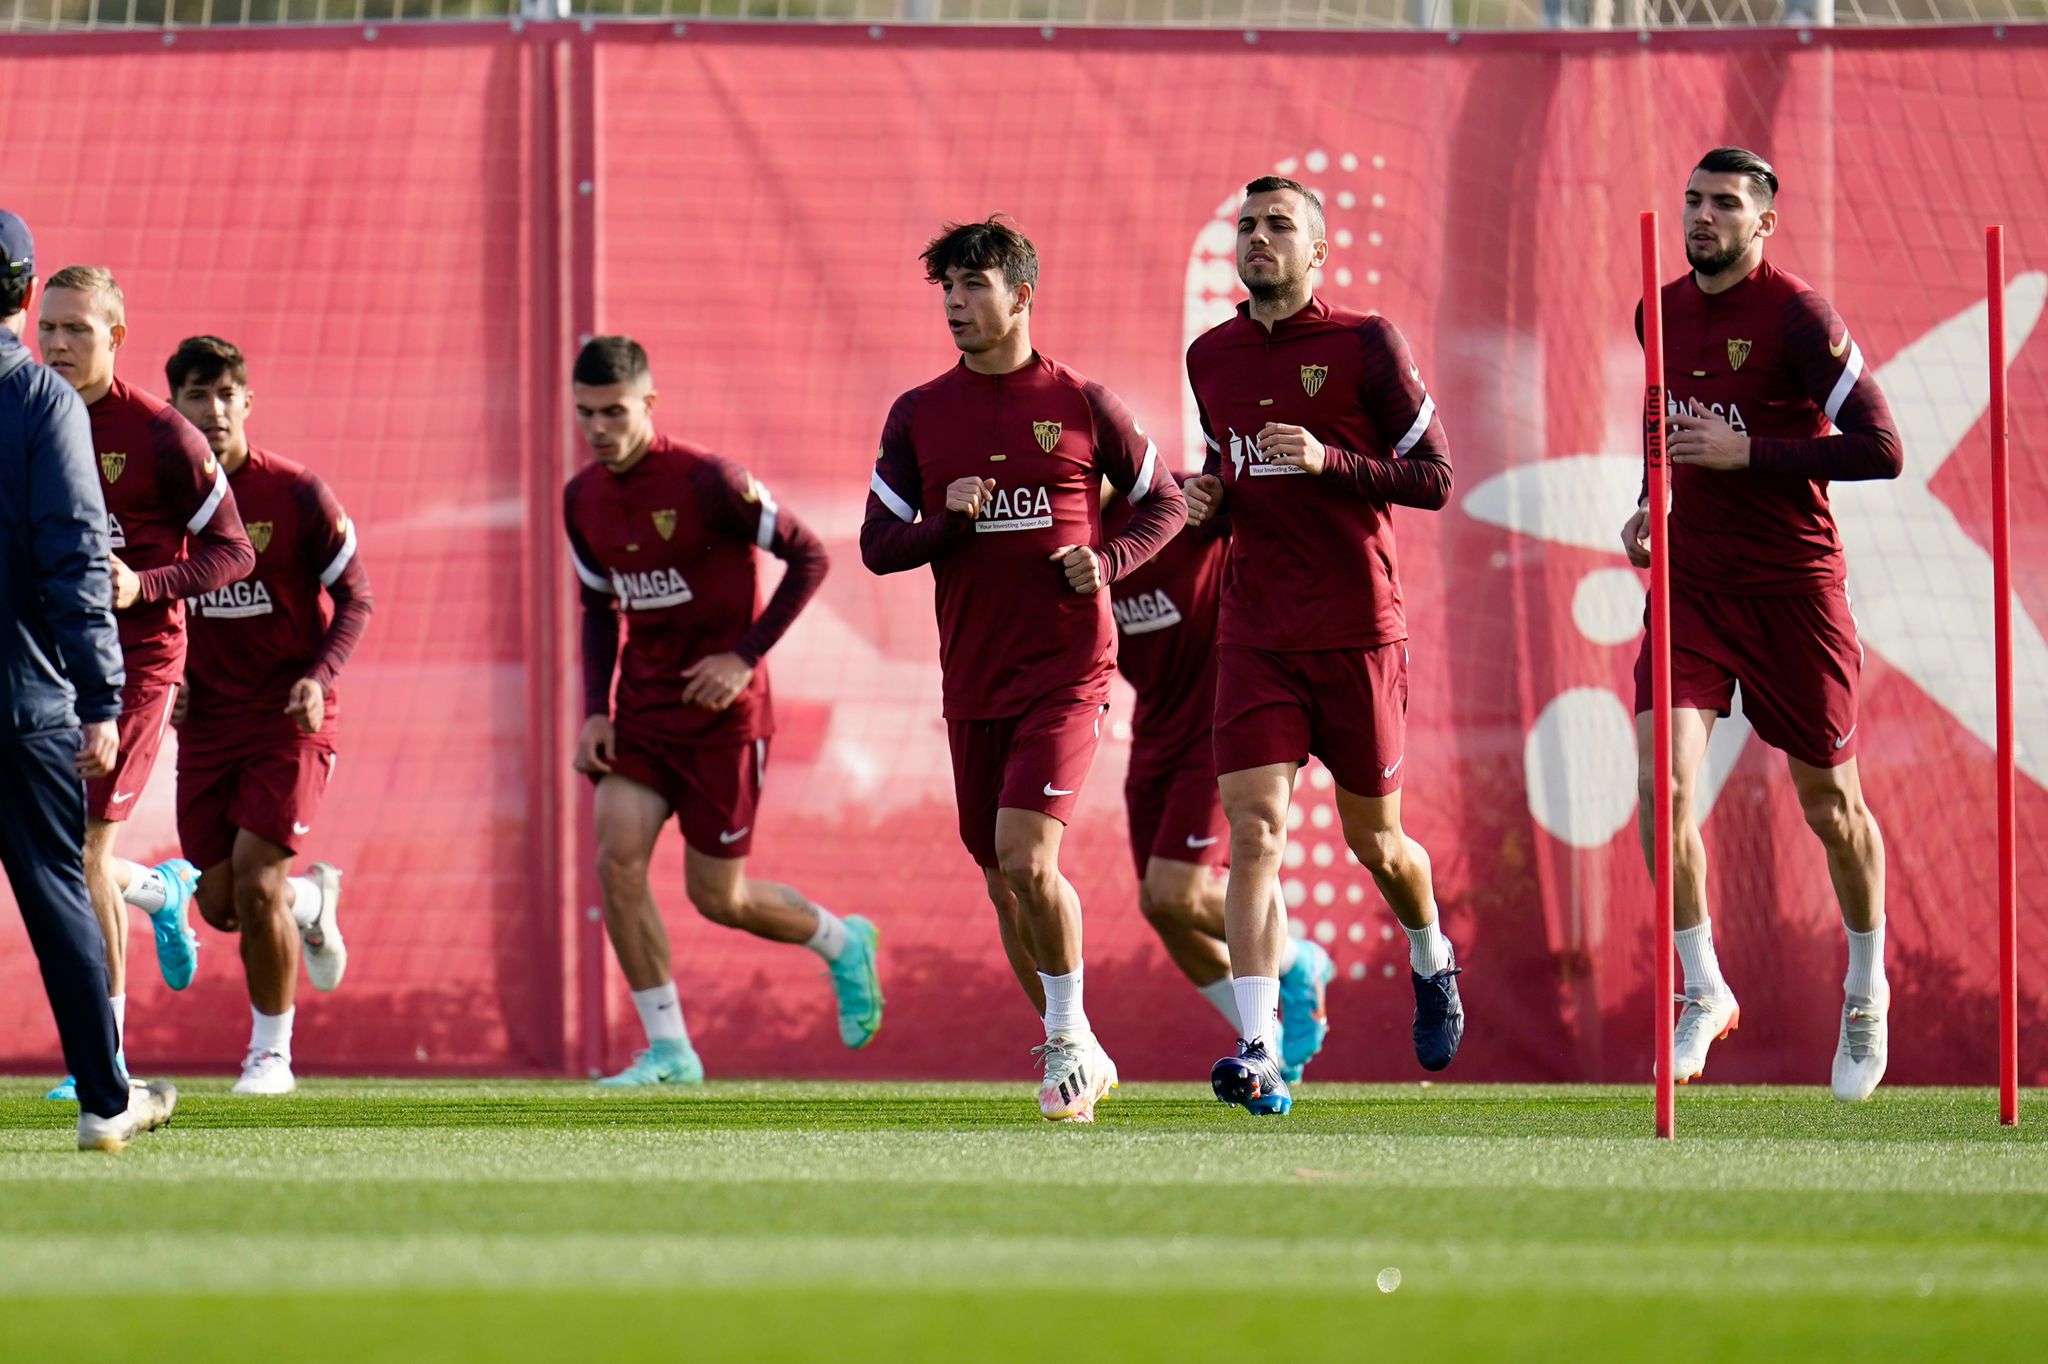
(98,281)
(204,359)
(1273,184)
(14,293)
(1741,161)
(991,244)
(607,360)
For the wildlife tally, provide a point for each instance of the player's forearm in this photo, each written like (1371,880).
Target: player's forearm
(600,655)
(807,564)
(218,560)
(352,606)
(889,545)
(1158,519)
(1419,479)
(1848,457)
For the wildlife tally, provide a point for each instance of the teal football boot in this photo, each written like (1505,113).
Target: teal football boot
(177,946)
(857,985)
(1301,1005)
(671,1061)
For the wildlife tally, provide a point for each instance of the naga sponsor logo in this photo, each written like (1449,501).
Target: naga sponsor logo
(1727,412)
(650,589)
(236,601)
(116,537)
(1145,612)
(1245,450)
(1016,509)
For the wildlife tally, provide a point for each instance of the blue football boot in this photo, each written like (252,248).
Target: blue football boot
(1251,1080)
(177,946)
(856,984)
(671,1061)
(1439,1017)
(1302,993)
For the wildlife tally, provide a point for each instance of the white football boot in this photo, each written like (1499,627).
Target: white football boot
(325,953)
(1078,1072)
(149,1107)
(1860,1052)
(266,1072)
(1704,1020)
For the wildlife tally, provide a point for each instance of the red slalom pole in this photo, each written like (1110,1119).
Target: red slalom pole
(2001,587)
(1658,482)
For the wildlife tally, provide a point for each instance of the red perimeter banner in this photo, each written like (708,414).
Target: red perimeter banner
(406,236)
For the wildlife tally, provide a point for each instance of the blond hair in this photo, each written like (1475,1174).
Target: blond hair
(97,281)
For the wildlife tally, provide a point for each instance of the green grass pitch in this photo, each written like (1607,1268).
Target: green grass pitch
(502,1221)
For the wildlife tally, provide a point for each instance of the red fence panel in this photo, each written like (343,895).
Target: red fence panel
(403,254)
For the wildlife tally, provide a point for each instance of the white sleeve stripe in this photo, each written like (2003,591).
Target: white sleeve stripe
(1844,386)
(904,511)
(1212,442)
(211,504)
(342,556)
(590,579)
(1419,429)
(764,534)
(1143,486)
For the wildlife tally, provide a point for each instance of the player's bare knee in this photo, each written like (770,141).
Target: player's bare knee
(259,895)
(1833,816)
(723,903)
(620,873)
(1257,836)
(216,901)
(1029,869)
(1167,907)
(1646,796)
(1382,852)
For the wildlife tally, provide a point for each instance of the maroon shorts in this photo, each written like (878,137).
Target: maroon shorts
(1797,660)
(145,715)
(1174,810)
(1035,761)
(1348,707)
(273,792)
(713,790)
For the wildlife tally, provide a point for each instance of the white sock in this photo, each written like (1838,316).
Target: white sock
(146,889)
(271,1032)
(1223,994)
(1258,1005)
(1290,954)
(120,1005)
(305,905)
(1429,951)
(1702,967)
(661,1012)
(1866,964)
(1063,1011)
(830,939)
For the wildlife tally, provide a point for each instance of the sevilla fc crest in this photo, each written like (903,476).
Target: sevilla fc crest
(1048,434)
(259,534)
(112,462)
(1312,377)
(1738,351)
(665,522)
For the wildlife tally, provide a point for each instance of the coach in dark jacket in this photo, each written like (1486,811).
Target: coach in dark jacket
(60,692)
